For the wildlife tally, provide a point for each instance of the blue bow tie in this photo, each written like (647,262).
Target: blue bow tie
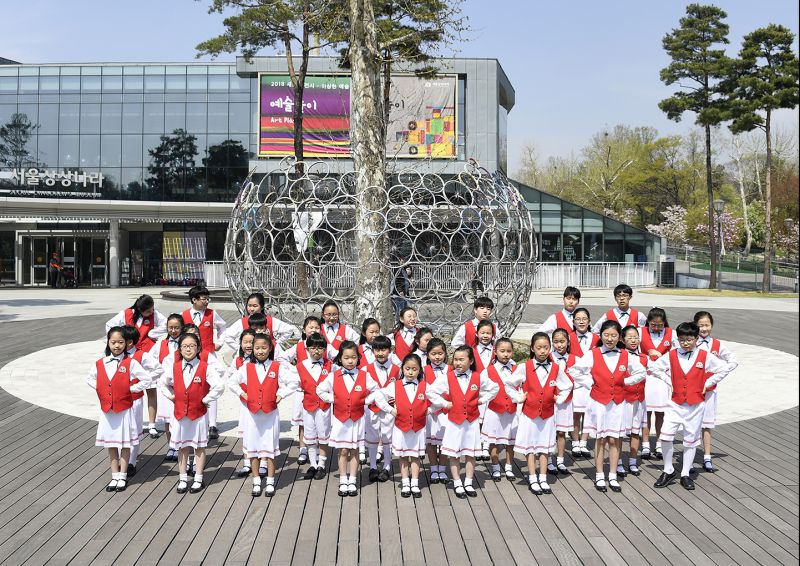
(545,365)
(350,372)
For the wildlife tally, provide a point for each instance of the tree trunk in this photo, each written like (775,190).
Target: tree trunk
(387,86)
(711,234)
(368,143)
(765,282)
(742,194)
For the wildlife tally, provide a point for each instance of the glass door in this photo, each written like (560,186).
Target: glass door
(99,262)
(39,261)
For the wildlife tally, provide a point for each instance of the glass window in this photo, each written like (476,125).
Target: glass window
(196,117)
(217,117)
(90,118)
(48,151)
(593,246)
(240,115)
(90,151)
(196,69)
(90,84)
(110,146)
(133,70)
(218,83)
(154,70)
(69,118)
(28,71)
(70,84)
(132,114)
(573,247)
(571,215)
(634,246)
(6,112)
(91,71)
(70,70)
(8,84)
(112,118)
(68,147)
(176,82)
(48,119)
(131,182)
(240,84)
(48,71)
(48,84)
(153,117)
(133,83)
(613,247)
(8,71)
(174,116)
(29,84)
(551,247)
(551,214)
(112,70)
(30,111)
(112,83)
(196,83)
(592,222)
(131,151)
(149,142)
(153,83)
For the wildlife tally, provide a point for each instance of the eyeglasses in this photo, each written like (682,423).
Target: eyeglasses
(623,296)
(316,347)
(610,337)
(580,319)
(687,339)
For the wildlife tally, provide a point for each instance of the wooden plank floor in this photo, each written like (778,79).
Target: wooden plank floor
(54,510)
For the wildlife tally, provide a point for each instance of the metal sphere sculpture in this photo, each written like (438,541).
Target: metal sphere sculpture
(449,239)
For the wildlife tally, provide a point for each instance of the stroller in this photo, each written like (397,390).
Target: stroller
(67,278)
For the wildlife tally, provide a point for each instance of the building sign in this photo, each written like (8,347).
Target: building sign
(326,116)
(422,117)
(35,182)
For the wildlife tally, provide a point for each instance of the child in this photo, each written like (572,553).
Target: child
(258,322)
(483,352)
(295,355)
(210,357)
(500,419)
(705,323)
(350,392)
(656,339)
(150,323)
(565,414)
(377,423)
(370,329)
(635,407)
(622,313)
(685,371)
(437,419)
(166,352)
(308,374)
(539,384)
(421,339)
(206,319)
(335,332)
(116,378)
(581,341)
(405,401)
(461,391)
(403,336)
(266,385)
(467,332)
(563,318)
(255,303)
(244,355)
(606,370)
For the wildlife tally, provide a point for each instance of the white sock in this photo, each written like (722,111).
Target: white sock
(457,483)
(198,478)
(414,482)
(387,458)
(559,460)
(134,455)
(582,443)
(343,479)
(599,476)
(612,476)
(531,478)
(667,450)
(688,460)
(509,468)
(312,455)
(706,457)
(262,463)
(495,468)
(321,461)
(659,445)
(183,477)
(257,480)
(304,450)
(271,480)
(406,482)
(542,478)
(373,458)
(467,481)
(212,413)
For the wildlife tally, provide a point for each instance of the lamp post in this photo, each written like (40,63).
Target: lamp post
(719,205)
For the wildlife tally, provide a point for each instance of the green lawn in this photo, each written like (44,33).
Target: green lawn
(715,293)
(743,268)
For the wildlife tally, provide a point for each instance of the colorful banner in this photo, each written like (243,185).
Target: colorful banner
(422,117)
(326,116)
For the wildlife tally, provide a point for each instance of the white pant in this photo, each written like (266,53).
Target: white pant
(690,417)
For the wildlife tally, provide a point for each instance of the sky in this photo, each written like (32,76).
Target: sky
(578,68)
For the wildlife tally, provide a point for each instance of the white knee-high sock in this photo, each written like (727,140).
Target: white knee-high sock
(667,450)
(387,456)
(312,455)
(134,455)
(688,460)
(212,413)
(373,457)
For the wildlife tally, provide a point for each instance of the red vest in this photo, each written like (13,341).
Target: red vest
(715,347)
(633,316)
(575,343)
(562,322)
(479,365)
(189,401)
(636,392)
(349,404)
(664,346)
(163,350)
(336,343)
(401,348)
(206,327)
(471,333)
(411,414)
(114,394)
(138,355)
(502,403)
(145,342)
(571,359)
(688,387)
(541,399)
(301,351)
(261,396)
(311,401)
(394,374)
(430,377)
(465,405)
(608,386)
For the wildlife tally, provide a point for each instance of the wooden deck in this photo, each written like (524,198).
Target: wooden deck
(54,510)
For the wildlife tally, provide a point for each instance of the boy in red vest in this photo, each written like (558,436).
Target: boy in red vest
(379,424)
(482,308)
(622,313)
(685,370)
(563,318)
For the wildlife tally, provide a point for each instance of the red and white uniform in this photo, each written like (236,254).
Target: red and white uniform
(606,372)
(279,330)
(349,391)
(208,321)
(164,352)
(337,333)
(378,423)
(437,418)
(116,380)
(151,328)
(579,344)
(466,391)
(500,419)
(565,411)
(412,406)
(544,384)
(467,334)
(561,319)
(307,376)
(656,393)
(635,409)
(630,316)
(403,342)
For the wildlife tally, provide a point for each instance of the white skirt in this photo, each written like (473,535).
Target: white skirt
(710,413)
(317,426)
(138,415)
(656,395)
(634,416)
(499,428)
(260,433)
(605,420)
(118,430)
(434,428)
(378,427)
(461,439)
(580,399)
(347,434)
(535,436)
(408,443)
(297,411)
(165,408)
(188,433)
(564,416)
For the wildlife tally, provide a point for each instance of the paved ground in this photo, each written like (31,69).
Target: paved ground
(53,508)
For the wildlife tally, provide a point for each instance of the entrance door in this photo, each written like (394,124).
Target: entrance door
(99,262)
(40,257)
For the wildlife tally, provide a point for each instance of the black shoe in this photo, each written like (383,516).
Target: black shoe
(320,474)
(405,491)
(269,490)
(379,457)
(600,488)
(535,488)
(460,493)
(621,473)
(687,483)
(658,454)
(497,476)
(665,479)
(692,471)
(433,479)
(615,487)
(552,470)
(352,490)
(184,488)
(112,488)
(256,492)
(122,485)
(708,467)
(302,459)
(634,471)
(213,433)
(153,433)
(545,487)
(384,475)
(563,470)
(243,472)
(342,490)
(373,475)
(131,470)
(645,455)
(470,491)
(198,488)
(310,473)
